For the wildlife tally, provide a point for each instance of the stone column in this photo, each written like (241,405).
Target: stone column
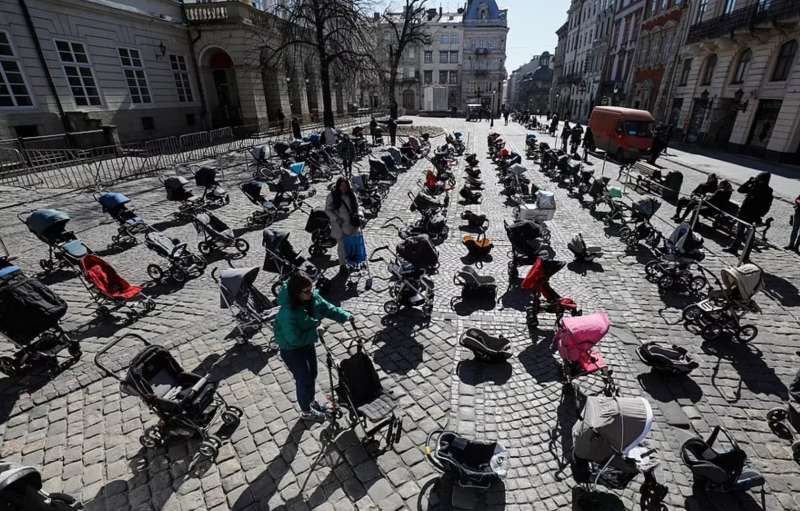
(251,97)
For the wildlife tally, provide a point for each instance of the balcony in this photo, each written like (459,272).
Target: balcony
(231,13)
(747,17)
(499,22)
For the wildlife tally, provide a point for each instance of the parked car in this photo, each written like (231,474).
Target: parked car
(624,133)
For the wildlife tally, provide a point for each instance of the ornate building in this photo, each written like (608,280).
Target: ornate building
(483,69)
(529,85)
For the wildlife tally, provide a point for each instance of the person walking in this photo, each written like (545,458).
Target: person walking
(553,125)
(296,129)
(757,203)
(505,116)
(301,312)
(373,130)
(575,138)
(392,125)
(281,120)
(347,151)
(794,220)
(687,204)
(588,143)
(565,133)
(342,209)
(658,145)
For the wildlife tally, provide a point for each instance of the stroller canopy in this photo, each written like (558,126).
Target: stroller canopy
(297,168)
(545,200)
(517,169)
(418,250)
(748,279)
(112,200)
(27,307)
(206,177)
(213,223)
(611,426)
(684,240)
(176,188)
(234,280)
(586,329)
(106,280)
(260,153)
(274,239)
(646,208)
(317,220)
(44,222)
(252,190)
(15,477)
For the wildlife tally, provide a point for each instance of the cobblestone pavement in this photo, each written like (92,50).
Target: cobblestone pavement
(83,434)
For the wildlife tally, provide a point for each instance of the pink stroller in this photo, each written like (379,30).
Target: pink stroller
(576,338)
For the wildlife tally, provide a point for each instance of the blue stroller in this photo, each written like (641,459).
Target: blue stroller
(356,261)
(50,226)
(129,224)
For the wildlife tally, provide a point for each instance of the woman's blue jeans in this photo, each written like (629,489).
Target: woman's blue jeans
(302,363)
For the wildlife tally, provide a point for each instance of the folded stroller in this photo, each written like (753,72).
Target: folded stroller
(268,211)
(21,489)
(280,257)
(666,358)
(528,242)
(128,224)
(419,251)
(187,404)
(726,471)
(722,312)
(606,445)
(216,235)
(183,264)
(581,251)
(485,347)
(478,247)
(576,338)
(29,318)
(50,226)
(473,463)
(537,281)
(409,286)
(675,266)
(248,306)
(176,188)
(111,292)
(474,220)
(214,195)
(474,285)
(319,226)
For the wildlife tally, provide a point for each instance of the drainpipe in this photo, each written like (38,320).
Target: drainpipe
(40,54)
(196,65)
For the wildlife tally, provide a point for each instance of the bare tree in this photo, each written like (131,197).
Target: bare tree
(405,28)
(334,32)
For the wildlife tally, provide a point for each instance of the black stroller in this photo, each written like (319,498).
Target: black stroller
(582,251)
(379,172)
(638,227)
(214,195)
(675,266)
(280,257)
(188,204)
(187,404)
(263,168)
(485,347)
(319,226)
(474,464)
(249,307)
(666,358)
(29,318)
(128,223)
(527,244)
(409,285)
(21,489)
(268,212)
(183,264)
(289,184)
(50,226)
(419,251)
(216,235)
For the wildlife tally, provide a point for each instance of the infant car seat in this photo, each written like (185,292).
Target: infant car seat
(666,358)
(474,284)
(469,196)
(478,246)
(485,347)
(726,471)
(475,220)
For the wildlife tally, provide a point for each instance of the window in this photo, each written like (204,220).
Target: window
(743,66)
(443,57)
(453,77)
(428,75)
(444,39)
(148,123)
(442,77)
(134,75)
(428,57)
(687,67)
(701,10)
(708,71)
(785,60)
(190,120)
(13,89)
(79,73)
(730,5)
(26,131)
(454,57)
(181,75)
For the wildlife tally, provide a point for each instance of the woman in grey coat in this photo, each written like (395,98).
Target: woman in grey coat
(342,209)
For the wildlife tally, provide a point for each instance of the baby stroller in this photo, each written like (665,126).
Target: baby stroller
(29,318)
(478,247)
(187,404)
(727,471)
(21,489)
(474,285)
(531,146)
(543,210)
(426,202)
(263,168)
(606,445)
(319,226)
(581,251)
(473,463)
(379,172)
(419,251)
(129,225)
(182,263)
(576,338)
(472,161)
(485,347)
(409,286)
(111,292)
(682,253)
(288,185)
(214,195)
(248,306)
(175,187)
(723,310)
(528,242)
(432,224)
(50,226)
(281,258)
(216,235)
(638,227)
(666,358)
(475,221)
(269,212)
(537,281)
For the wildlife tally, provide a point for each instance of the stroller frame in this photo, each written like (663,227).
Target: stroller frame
(58,256)
(182,263)
(215,241)
(126,232)
(286,267)
(406,282)
(466,476)
(255,311)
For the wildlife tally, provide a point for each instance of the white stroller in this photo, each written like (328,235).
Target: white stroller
(539,212)
(249,307)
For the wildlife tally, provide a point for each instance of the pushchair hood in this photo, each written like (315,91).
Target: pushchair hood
(232,281)
(27,307)
(112,200)
(213,223)
(517,169)
(419,251)
(252,190)
(540,272)
(747,278)
(647,207)
(317,220)
(176,188)
(47,222)
(20,476)
(585,329)
(206,177)
(274,239)
(611,426)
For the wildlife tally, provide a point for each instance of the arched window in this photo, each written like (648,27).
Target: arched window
(785,60)
(708,70)
(743,66)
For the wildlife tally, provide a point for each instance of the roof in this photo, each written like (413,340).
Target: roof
(630,113)
(472,11)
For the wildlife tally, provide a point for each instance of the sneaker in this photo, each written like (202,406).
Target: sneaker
(731,250)
(316,407)
(312,416)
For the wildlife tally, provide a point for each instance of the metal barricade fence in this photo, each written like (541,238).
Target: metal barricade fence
(195,146)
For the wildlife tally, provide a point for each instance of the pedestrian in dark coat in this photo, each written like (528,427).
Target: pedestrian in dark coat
(373,130)
(347,152)
(757,203)
(565,133)
(392,125)
(296,128)
(588,143)
(281,120)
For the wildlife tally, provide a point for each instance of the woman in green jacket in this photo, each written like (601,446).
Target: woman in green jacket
(302,310)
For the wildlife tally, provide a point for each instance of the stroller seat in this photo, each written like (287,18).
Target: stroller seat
(478,245)
(486,347)
(666,357)
(75,249)
(476,463)
(468,277)
(107,280)
(360,387)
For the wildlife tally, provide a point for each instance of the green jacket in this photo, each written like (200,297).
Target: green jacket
(296,328)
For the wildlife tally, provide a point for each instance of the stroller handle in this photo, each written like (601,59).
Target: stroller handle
(111,344)
(374,259)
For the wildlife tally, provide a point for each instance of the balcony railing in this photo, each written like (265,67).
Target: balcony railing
(223,13)
(499,22)
(746,17)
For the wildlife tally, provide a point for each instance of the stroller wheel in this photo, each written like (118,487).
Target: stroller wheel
(208,449)
(698,283)
(276,287)
(178,275)
(316,250)
(230,418)
(204,247)
(692,314)
(666,281)
(155,272)
(8,366)
(391,307)
(746,333)
(199,263)
(241,245)
(46,264)
(653,270)
(711,332)
(152,437)
(777,415)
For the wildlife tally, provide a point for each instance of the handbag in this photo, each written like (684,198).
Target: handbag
(355,249)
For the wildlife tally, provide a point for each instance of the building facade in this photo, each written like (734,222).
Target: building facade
(560,85)
(622,48)
(529,85)
(737,84)
(484,71)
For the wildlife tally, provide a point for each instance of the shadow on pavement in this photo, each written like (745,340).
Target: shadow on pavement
(670,388)
(781,290)
(240,357)
(474,372)
(465,307)
(399,351)
(753,371)
(583,500)
(560,443)
(538,360)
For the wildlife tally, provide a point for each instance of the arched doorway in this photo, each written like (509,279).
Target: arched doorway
(409,101)
(219,76)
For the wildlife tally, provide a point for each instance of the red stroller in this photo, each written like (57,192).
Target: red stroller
(110,291)
(537,281)
(576,338)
